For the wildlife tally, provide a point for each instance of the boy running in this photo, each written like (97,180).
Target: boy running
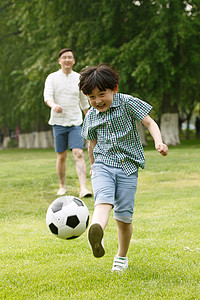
(115,153)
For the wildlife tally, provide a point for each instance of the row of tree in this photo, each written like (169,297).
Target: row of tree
(155,45)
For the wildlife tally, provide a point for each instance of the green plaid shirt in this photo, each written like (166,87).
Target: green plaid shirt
(118,143)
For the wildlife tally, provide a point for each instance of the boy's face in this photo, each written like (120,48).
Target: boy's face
(102,100)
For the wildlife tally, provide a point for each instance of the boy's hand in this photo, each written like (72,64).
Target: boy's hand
(162,148)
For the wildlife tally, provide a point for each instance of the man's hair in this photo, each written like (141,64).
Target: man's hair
(65,50)
(102,76)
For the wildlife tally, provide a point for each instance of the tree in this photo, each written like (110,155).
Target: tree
(7,60)
(158,55)
(153,44)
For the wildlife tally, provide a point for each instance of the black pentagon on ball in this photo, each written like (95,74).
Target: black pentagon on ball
(78,201)
(72,221)
(87,222)
(53,228)
(57,206)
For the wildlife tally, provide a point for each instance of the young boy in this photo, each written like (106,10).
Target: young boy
(115,153)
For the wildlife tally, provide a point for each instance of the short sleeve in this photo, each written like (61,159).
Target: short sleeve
(138,108)
(88,131)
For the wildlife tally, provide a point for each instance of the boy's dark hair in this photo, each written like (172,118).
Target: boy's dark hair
(102,76)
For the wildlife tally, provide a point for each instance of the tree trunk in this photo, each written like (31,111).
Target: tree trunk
(188,128)
(169,128)
(29,140)
(169,124)
(26,140)
(22,141)
(39,139)
(44,139)
(6,140)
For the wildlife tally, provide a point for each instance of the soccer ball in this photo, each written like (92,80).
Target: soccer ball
(67,217)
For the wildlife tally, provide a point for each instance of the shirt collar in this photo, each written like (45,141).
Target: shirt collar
(61,71)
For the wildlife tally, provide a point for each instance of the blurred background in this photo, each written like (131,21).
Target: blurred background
(155,46)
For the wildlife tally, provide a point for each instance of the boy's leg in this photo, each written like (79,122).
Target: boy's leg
(124,236)
(103,182)
(96,230)
(123,214)
(120,262)
(101,214)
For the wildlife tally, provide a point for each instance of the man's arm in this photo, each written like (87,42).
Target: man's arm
(154,130)
(57,108)
(85,111)
(48,94)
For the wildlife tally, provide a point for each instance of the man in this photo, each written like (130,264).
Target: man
(62,94)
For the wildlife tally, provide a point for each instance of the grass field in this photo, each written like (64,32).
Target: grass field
(164,256)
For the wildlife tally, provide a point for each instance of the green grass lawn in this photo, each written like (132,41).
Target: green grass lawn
(164,255)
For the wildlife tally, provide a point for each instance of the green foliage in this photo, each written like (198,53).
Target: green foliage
(154,45)
(164,252)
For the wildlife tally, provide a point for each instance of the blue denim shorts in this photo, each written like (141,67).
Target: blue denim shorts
(113,186)
(67,137)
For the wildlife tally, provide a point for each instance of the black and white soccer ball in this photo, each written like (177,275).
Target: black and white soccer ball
(67,217)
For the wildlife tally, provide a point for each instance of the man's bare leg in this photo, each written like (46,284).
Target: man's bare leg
(61,170)
(81,171)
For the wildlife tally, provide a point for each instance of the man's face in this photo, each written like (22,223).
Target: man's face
(67,60)
(101,100)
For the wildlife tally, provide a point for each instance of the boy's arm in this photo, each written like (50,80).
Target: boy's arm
(154,130)
(91,145)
